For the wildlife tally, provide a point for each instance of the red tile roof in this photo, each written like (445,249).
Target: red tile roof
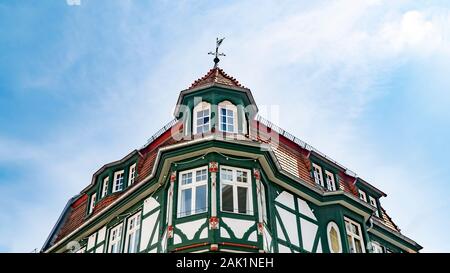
(291,157)
(216,75)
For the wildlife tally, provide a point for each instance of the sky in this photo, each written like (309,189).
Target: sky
(84,82)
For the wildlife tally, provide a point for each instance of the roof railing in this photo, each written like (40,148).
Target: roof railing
(160,132)
(301,143)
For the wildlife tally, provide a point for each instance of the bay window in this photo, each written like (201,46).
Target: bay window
(193,191)
(236,194)
(354,236)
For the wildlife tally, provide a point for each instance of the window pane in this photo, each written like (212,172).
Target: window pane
(358,246)
(186,178)
(186,197)
(200,196)
(350,244)
(201,175)
(241,176)
(227,198)
(242,200)
(335,244)
(226,174)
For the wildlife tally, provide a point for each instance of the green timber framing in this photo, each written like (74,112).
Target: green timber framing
(327,206)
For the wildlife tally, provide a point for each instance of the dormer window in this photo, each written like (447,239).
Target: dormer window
(331,185)
(362,195)
(317,171)
(92,203)
(227,117)
(118,181)
(373,203)
(202,114)
(105,186)
(132,174)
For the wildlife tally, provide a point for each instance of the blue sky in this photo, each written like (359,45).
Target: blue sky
(82,85)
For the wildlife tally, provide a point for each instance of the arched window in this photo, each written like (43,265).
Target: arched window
(202,113)
(227,117)
(334,238)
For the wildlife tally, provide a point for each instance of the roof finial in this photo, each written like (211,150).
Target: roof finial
(217,54)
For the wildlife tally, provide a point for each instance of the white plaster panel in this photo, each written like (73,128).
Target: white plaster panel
(309,231)
(149,205)
(91,241)
(290,224)
(147,226)
(101,235)
(286,199)
(238,226)
(305,209)
(190,228)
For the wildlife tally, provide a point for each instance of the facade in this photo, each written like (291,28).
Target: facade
(219,177)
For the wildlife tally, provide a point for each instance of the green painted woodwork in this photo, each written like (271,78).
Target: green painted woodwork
(323,213)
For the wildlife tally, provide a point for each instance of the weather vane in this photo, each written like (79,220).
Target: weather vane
(217,54)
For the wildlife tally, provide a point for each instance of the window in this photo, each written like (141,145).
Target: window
(92,204)
(263,201)
(331,185)
(115,239)
(192,192)
(334,238)
(373,203)
(133,233)
(354,236)
(227,117)
(118,181)
(105,186)
(362,195)
(132,174)
(317,171)
(236,194)
(376,247)
(202,118)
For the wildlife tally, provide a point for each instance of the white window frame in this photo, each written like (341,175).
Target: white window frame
(362,195)
(117,239)
(132,174)
(235,184)
(92,202)
(336,227)
(115,182)
(105,186)
(202,106)
(193,186)
(318,176)
(227,105)
(133,229)
(331,187)
(354,236)
(373,203)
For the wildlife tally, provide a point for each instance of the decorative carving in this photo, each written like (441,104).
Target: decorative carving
(213,167)
(169,231)
(214,222)
(257,174)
